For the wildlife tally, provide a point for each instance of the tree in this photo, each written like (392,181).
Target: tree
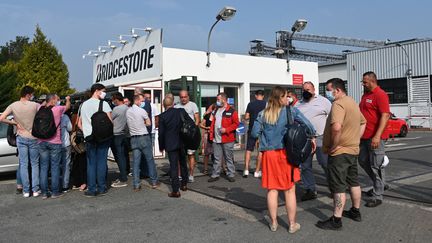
(13,50)
(42,67)
(8,80)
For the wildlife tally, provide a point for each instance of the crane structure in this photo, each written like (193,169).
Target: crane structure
(285,47)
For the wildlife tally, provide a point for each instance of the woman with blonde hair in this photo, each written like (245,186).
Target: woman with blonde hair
(277,174)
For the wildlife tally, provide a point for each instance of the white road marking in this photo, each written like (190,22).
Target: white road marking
(395,144)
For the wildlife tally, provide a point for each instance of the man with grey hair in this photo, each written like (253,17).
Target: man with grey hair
(50,149)
(225,121)
(316,109)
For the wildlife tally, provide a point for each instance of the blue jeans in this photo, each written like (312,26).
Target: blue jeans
(121,155)
(28,153)
(18,177)
(142,146)
(97,166)
(307,176)
(50,156)
(65,166)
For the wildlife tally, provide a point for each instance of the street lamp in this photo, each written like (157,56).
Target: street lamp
(408,72)
(225,14)
(299,25)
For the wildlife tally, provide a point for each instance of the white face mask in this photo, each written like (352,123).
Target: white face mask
(102,95)
(58,102)
(290,100)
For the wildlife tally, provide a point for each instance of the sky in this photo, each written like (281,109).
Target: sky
(75,27)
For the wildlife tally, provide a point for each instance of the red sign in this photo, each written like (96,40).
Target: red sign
(297,79)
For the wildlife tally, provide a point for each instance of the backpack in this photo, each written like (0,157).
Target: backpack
(11,136)
(189,132)
(44,126)
(102,126)
(297,143)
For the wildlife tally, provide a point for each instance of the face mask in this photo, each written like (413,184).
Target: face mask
(142,104)
(102,95)
(307,95)
(218,103)
(329,95)
(58,103)
(290,100)
(32,97)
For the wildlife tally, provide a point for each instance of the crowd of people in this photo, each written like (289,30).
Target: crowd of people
(74,148)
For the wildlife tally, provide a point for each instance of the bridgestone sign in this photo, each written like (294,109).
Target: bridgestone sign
(138,60)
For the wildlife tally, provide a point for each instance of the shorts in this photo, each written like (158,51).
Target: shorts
(190,152)
(342,172)
(208,148)
(251,141)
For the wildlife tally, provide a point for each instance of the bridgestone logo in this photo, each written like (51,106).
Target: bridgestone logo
(132,63)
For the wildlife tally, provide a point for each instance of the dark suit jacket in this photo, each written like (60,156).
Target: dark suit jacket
(169,129)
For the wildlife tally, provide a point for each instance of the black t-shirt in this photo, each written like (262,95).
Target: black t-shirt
(207,124)
(253,109)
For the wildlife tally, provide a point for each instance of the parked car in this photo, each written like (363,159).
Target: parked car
(396,126)
(8,154)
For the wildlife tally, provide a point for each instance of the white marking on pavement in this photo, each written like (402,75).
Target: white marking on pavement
(395,144)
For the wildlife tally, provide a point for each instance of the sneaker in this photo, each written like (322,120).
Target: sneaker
(155,185)
(89,194)
(213,179)
(373,203)
(245,173)
(353,213)
(118,184)
(54,196)
(75,187)
(26,194)
(191,179)
(36,194)
(309,195)
(137,189)
(231,179)
(45,196)
(294,228)
(65,190)
(273,227)
(130,174)
(19,191)
(330,224)
(257,174)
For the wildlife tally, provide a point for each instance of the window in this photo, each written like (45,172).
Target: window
(396,89)
(3,130)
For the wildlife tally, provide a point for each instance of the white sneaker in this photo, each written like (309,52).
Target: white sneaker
(245,173)
(130,174)
(36,194)
(26,194)
(191,179)
(257,174)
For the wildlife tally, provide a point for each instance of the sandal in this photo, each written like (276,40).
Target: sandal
(82,187)
(205,172)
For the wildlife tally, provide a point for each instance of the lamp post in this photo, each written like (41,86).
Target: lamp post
(225,14)
(299,25)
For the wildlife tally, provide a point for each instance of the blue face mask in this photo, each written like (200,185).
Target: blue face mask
(142,104)
(218,103)
(329,95)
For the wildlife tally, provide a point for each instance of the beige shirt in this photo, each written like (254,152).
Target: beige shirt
(346,112)
(23,113)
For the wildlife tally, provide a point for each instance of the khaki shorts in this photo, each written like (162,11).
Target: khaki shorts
(342,172)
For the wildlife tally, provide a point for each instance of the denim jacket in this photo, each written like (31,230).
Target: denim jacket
(271,136)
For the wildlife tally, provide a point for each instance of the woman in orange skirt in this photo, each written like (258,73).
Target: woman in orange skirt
(277,174)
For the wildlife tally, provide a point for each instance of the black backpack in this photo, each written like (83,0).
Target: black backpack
(189,132)
(11,135)
(298,145)
(102,126)
(44,126)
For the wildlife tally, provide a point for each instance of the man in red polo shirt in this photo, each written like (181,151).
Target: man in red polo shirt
(375,108)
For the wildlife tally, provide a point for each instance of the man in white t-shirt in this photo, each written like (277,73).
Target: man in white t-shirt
(192,110)
(97,153)
(24,112)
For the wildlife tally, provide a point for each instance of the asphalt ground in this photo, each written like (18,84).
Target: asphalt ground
(224,211)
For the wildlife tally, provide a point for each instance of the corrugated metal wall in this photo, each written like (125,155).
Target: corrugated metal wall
(388,62)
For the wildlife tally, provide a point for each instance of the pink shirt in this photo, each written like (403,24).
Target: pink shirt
(57,112)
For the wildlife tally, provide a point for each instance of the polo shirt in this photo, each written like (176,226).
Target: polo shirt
(372,105)
(316,111)
(136,117)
